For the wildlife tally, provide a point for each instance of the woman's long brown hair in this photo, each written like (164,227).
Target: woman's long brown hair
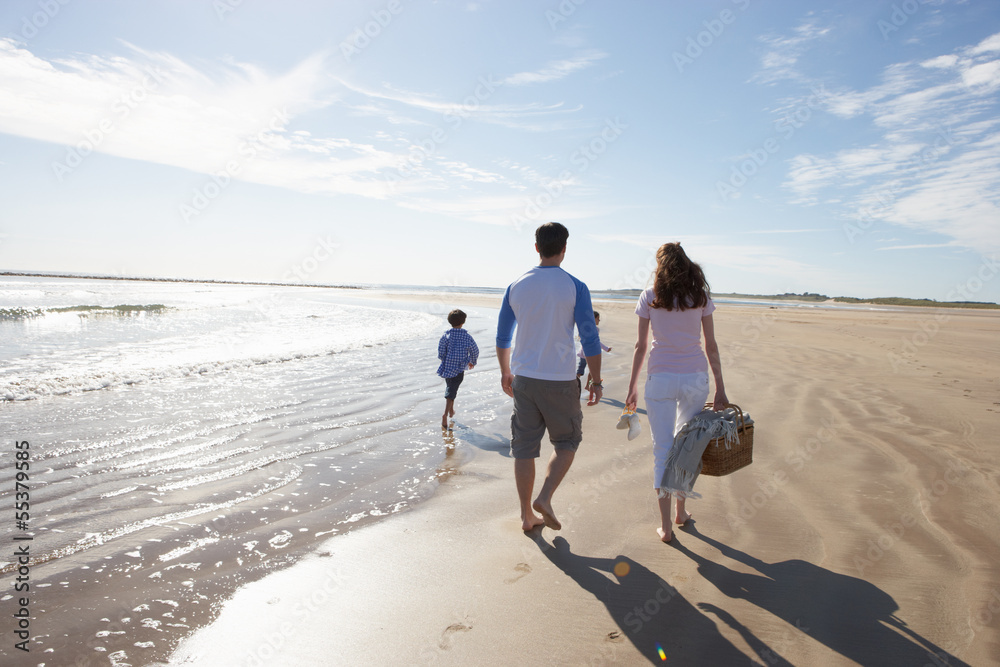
(680,283)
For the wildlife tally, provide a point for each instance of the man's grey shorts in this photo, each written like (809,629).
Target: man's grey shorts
(541,405)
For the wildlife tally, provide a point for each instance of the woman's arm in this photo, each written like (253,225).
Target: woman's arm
(638,357)
(712,349)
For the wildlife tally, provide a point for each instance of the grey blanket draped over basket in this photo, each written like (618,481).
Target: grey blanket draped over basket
(684,463)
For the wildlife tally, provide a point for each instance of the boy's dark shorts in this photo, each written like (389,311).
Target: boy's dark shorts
(541,405)
(451,385)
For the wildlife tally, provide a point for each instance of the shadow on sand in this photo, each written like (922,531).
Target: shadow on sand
(848,615)
(652,614)
(614,402)
(478,440)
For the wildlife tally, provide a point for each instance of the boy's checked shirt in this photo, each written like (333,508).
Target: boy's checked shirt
(456,350)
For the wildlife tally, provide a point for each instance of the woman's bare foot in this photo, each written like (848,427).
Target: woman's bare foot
(682,518)
(665,535)
(545,509)
(532,522)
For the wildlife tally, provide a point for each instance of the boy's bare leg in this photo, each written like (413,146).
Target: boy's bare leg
(449,410)
(682,516)
(559,464)
(665,531)
(524,477)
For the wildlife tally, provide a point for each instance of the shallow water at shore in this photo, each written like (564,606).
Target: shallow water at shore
(152,501)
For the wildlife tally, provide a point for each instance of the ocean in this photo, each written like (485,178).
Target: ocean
(186,438)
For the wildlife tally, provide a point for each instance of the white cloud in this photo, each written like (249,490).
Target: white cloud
(555,70)
(936,167)
(941,62)
(989,45)
(783,53)
(918,246)
(531,116)
(983,74)
(157,108)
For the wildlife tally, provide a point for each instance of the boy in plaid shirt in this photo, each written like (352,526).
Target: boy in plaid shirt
(456,350)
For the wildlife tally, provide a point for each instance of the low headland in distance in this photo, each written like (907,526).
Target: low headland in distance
(787,296)
(878,301)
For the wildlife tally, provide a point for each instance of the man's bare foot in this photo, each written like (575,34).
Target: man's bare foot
(664,535)
(451,413)
(532,522)
(548,515)
(444,421)
(682,519)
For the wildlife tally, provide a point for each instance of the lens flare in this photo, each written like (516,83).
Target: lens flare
(663,654)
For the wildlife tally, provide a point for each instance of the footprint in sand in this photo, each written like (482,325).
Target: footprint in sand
(523,568)
(445,642)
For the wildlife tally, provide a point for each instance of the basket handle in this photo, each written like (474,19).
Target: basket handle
(739,412)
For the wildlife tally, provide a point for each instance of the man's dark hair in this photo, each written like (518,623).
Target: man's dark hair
(456,318)
(551,239)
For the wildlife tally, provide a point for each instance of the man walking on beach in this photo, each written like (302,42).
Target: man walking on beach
(544,304)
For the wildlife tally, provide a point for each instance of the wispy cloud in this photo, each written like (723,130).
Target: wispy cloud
(157,108)
(782,53)
(555,70)
(936,166)
(786,231)
(531,116)
(918,246)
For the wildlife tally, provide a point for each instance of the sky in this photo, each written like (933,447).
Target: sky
(848,148)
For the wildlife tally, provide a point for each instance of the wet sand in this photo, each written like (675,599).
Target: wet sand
(865,532)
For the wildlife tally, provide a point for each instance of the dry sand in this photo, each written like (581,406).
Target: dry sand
(865,532)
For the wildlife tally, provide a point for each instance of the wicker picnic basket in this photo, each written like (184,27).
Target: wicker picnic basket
(720,459)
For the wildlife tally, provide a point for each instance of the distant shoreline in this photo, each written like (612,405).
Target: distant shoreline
(26,274)
(877,301)
(807,297)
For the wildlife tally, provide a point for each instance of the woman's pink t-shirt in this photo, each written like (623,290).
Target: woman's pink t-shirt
(676,336)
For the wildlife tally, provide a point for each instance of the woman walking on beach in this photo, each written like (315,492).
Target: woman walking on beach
(678,308)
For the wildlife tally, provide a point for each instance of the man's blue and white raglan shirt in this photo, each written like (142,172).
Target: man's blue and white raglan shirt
(543,305)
